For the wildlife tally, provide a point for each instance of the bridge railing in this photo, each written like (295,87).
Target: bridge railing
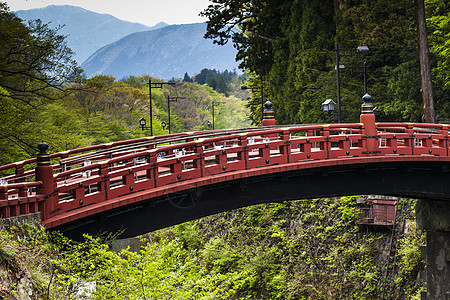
(19,199)
(118,169)
(24,170)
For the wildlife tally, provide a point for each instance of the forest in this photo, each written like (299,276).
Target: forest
(289,48)
(46,97)
(273,251)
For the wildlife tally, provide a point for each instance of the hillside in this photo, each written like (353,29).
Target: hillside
(163,53)
(306,249)
(87,31)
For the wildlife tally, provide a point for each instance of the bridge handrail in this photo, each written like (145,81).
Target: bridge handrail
(19,166)
(21,185)
(203,143)
(64,156)
(146,163)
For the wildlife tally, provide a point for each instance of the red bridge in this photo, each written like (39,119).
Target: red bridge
(145,184)
(148,183)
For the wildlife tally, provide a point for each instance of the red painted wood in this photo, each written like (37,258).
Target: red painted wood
(91,180)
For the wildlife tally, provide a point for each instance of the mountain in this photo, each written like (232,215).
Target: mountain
(87,31)
(163,53)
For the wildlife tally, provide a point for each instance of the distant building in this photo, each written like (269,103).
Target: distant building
(377,210)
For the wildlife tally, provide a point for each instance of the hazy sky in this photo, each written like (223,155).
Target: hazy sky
(147,12)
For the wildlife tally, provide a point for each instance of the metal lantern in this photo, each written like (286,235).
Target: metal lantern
(328,105)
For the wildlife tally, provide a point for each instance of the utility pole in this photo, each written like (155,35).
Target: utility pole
(425,68)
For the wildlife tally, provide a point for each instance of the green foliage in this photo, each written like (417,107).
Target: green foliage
(350,211)
(438,22)
(289,48)
(410,262)
(220,256)
(159,269)
(308,249)
(222,82)
(34,59)
(250,25)
(24,261)
(35,68)
(187,235)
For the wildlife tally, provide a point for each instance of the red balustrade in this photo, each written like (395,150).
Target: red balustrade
(102,176)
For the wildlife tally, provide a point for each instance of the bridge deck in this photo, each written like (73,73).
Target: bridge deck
(90,180)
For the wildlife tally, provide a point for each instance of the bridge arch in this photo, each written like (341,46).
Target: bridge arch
(423,179)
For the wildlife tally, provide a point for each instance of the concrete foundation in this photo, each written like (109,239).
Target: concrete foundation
(133,244)
(34,218)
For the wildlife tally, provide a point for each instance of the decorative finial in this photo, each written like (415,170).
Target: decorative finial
(43,147)
(43,158)
(268,112)
(367,106)
(367,98)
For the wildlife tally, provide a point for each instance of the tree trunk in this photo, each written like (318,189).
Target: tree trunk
(425,68)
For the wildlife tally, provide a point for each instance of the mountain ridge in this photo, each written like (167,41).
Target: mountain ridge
(167,52)
(106,45)
(87,31)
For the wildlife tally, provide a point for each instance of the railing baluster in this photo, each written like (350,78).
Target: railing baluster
(127,172)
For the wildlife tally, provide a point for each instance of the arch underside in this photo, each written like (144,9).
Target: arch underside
(418,179)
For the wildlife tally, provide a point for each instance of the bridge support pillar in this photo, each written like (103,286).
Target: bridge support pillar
(434,217)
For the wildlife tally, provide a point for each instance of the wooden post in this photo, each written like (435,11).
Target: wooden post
(268,115)
(44,173)
(369,131)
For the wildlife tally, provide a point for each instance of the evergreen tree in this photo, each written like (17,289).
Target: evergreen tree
(187,78)
(289,47)
(438,22)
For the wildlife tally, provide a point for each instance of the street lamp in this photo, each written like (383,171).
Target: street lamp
(142,123)
(328,106)
(153,85)
(262,97)
(214,104)
(172,99)
(338,67)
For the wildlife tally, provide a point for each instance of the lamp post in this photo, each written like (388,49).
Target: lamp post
(338,67)
(364,67)
(153,85)
(365,78)
(262,97)
(214,104)
(142,123)
(328,106)
(170,99)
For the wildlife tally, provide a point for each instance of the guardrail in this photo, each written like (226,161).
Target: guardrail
(92,175)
